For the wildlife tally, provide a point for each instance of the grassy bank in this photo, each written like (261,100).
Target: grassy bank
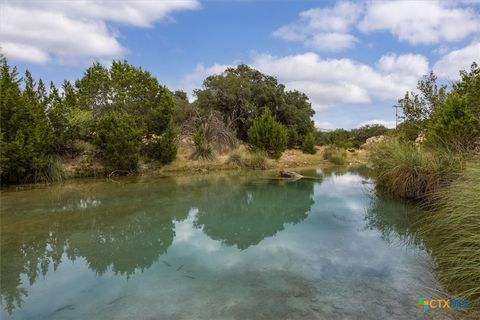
(449,186)
(410,171)
(452,234)
(87,164)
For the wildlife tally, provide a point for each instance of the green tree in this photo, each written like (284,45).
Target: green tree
(453,125)
(268,135)
(417,107)
(164,148)
(308,145)
(24,128)
(183,109)
(469,88)
(360,135)
(126,89)
(119,140)
(79,121)
(240,94)
(58,118)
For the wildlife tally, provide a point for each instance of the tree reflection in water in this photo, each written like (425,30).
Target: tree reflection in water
(125,227)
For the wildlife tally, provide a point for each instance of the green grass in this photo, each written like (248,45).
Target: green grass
(412,172)
(335,155)
(452,234)
(50,171)
(257,160)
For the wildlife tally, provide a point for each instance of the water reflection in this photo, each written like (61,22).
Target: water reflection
(396,221)
(245,215)
(211,247)
(125,228)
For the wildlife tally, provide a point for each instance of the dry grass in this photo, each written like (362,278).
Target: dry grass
(240,157)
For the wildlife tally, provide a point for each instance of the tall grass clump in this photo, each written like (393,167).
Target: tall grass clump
(335,155)
(412,172)
(257,160)
(236,159)
(50,171)
(452,233)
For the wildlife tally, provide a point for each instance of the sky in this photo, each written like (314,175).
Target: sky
(353,59)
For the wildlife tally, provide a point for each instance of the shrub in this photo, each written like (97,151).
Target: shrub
(164,148)
(411,172)
(360,135)
(335,156)
(86,167)
(293,138)
(51,170)
(118,139)
(203,150)
(268,135)
(337,159)
(236,159)
(453,125)
(347,144)
(308,145)
(452,233)
(215,131)
(257,160)
(409,131)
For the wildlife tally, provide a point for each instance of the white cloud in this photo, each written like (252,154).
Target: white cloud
(24,52)
(449,65)
(324,125)
(330,82)
(421,22)
(386,123)
(323,28)
(331,41)
(65,31)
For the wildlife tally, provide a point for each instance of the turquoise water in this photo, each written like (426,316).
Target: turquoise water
(211,247)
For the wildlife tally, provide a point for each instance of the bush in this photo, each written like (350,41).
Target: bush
(50,171)
(86,167)
(410,172)
(452,234)
(203,150)
(236,160)
(453,126)
(308,145)
(257,161)
(337,159)
(268,135)
(164,148)
(292,136)
(335,156)
(347,144)
(409,131)
(360,135)
(119,141)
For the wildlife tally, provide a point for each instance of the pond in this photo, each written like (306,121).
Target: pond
(217,246)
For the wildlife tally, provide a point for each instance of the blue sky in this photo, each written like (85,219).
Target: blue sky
(353,59)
